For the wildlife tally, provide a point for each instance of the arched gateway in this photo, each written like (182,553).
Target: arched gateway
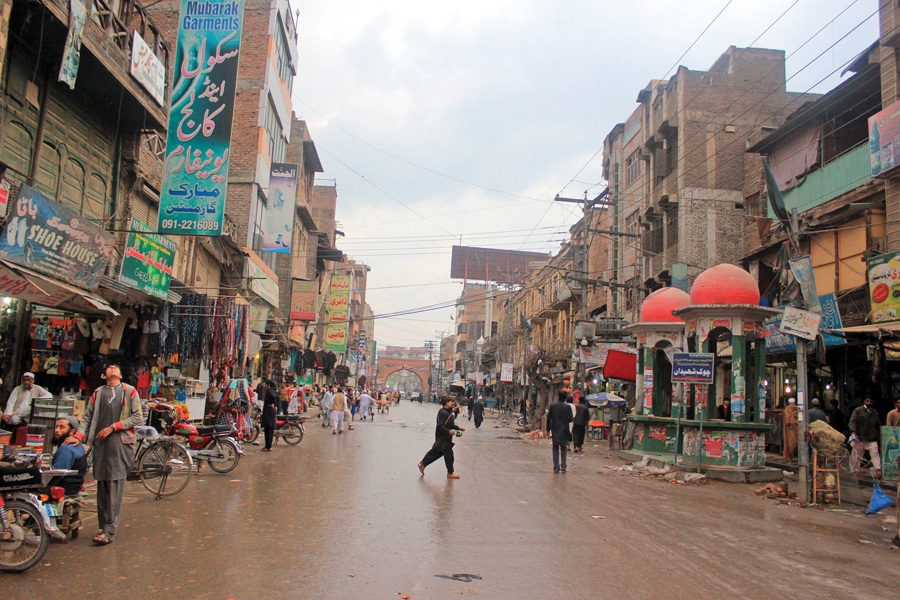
(389,366)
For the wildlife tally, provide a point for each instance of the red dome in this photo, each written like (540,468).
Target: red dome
(658,306)
(725,284)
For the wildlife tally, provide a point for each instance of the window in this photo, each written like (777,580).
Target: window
(631,223)
(258,223)
(672,228)
(277,147)
(285,68)
(632,168)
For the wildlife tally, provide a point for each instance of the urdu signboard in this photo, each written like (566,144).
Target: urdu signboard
(195,170)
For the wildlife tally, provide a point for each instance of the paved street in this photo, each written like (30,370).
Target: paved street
(349,517)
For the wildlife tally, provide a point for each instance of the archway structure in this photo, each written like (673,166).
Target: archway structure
(389,366)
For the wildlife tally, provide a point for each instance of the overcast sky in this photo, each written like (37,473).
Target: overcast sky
(512,96)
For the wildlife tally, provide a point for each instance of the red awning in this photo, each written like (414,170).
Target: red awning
(620,365)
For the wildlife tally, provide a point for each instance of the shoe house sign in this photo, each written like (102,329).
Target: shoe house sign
(49,238)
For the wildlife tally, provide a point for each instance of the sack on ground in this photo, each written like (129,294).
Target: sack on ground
(825,438)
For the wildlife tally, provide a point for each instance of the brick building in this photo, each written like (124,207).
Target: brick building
(676,171)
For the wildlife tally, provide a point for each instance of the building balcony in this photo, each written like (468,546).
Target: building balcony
(847,172)
(106,60)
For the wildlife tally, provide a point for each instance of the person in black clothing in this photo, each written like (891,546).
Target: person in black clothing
(558,418)
(579,424)
(443,439)
(471,406)
(478,411)
(836,417)
(723,412)
(270,406)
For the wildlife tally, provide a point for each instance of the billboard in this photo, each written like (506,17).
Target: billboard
(491,264)
(261,279)
(49,238)
(280,208)
(304,295)
(884,286)
(194,179)
(147,264)
(884,140)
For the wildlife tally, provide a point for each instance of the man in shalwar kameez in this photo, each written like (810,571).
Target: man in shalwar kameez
(109,420)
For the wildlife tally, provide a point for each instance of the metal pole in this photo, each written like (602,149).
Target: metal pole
(703,401)
(803,418)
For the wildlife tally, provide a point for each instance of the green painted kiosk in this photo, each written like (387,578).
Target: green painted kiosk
(721,316)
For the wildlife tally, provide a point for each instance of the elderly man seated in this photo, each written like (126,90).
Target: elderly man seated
(69,457)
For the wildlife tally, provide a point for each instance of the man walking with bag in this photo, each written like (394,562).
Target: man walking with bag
(443,440)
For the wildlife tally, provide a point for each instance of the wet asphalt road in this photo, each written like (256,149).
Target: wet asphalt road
(349,517)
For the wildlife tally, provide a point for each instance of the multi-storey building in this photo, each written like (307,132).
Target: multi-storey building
(676,170)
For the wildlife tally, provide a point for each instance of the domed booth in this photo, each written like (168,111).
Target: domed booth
(658,331)
(721,316)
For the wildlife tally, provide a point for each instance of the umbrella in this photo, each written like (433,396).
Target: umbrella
(605,398)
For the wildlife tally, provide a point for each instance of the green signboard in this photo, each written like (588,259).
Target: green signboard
(147,264)
(194,183)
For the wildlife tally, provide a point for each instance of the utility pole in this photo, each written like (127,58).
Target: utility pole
(802,388)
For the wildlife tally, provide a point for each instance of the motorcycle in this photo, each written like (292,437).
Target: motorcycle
(290,428)
(29,505)
(211,444)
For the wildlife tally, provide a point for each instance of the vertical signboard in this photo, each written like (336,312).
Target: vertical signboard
(194,183)
(884,140)
(884,286)
(338,311)
(280,208)
(147,68)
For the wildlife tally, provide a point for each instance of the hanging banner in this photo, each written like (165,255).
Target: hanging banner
(336,337)
(68,70)
(803,272)
(147,264)
(148,69)
(303,300)
(280,208)
(506,372)
(259,316)
(194,183)
(884,150)
(48,237)
(777,341)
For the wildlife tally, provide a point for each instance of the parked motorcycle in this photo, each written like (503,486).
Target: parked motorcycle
(290,428)
(28,503)
(211,444)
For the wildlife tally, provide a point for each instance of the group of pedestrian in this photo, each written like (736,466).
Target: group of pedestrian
(567,423)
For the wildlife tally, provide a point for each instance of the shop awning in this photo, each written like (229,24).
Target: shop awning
(40,289)
(892,326)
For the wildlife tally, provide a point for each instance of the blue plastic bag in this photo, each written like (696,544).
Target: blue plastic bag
(879,500)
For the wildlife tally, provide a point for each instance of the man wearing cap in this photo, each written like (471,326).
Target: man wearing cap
(108,427)
(18,407)
(69,457)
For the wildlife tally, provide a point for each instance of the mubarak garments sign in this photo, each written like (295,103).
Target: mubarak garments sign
(194,181)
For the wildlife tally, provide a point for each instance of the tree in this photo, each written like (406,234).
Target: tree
(537,368)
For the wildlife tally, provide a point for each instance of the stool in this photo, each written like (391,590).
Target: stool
(70,521)
(830,464)
(595,429)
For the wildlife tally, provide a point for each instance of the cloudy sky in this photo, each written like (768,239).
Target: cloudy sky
(449,121)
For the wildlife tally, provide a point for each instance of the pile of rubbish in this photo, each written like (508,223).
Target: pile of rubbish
(645,469)
(539,434)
